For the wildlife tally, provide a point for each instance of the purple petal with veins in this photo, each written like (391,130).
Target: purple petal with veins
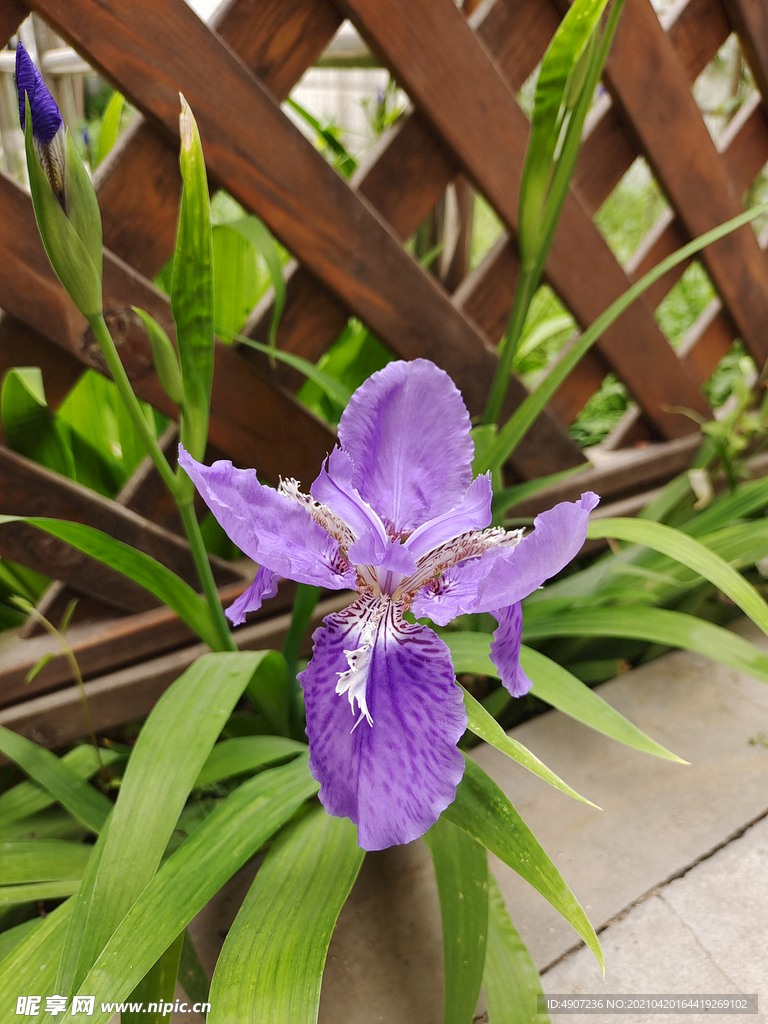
(393,777)
(269,527)
(505,650)
(505,574)
(472,513)
(407,432)
(263,587)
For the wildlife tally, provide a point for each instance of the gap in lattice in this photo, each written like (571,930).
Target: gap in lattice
(685,301)
(631,210)
(756,194)
(351,359)
(486,230)
(352,107)
(723,87)
(735,365)
(548,327)
(601,413)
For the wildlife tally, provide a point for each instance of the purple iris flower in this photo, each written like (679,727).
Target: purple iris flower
(47,125)
(396,516)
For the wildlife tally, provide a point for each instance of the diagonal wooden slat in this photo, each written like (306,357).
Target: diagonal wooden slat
(697,29)
(648,81)
(277,173)
(696,32)
(139,185)
(99,646)
(21,345)
(251,420)
(12,13)
(29,489)
(477,115)
(144,493)
(405,179)
(749,19)
(403,182)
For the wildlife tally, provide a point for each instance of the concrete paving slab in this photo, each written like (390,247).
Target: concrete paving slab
(724,901)
(706,932)
(650,951)
(659,817)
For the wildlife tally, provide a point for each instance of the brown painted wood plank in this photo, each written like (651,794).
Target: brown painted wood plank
(697,30)
(405,176)
(750,20)
(100,646)
(615,474)
(32,490)
(104,646)
(21,345)
(57,718)
(139,184)
(279,175)
(253,421)
(648,81)
(477,115)
(12,13)
(144,493)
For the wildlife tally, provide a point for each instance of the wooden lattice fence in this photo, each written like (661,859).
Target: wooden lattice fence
(463,73)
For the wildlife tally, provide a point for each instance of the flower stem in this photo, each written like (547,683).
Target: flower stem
(186,508)
(120,378)
(200,555)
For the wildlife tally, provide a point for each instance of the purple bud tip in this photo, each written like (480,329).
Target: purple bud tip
(46,119)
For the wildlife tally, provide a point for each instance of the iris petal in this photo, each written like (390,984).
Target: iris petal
(407,432)
(46,119)
(278,533)
(264,586)
(395,777)
(504,575)
(472,513)
(505,650)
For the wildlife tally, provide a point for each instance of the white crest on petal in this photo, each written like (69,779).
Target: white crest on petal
(322,515)
(468,545)
(354,681)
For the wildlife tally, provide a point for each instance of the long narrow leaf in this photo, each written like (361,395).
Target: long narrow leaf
(141,568)
(658,626)
(255,231)
(510,980)
(550,111)
(30,967)
(28,798)
(110,126)
(685,549)
(271,966)
(481,809)
(332,387)
(461,869)
(485,727)
(246,754)
(42,861)
(227,838)
(558,687)
(172,748)
(81,799)
(519,423)
(11,937)
(34,892)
